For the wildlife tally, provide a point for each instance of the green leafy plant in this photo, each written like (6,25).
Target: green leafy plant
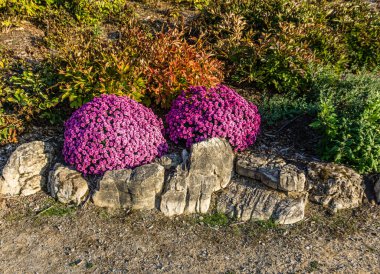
(92,66)
(275,45)
(10,125)
(26,92)
(57,210)
(27,7)
(86,12)
(267,224)
(279,107)
(349,118)
(91,12)
(216,219)
(30,92)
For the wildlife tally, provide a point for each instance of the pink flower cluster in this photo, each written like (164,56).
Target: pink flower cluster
(112,132)
(200,113)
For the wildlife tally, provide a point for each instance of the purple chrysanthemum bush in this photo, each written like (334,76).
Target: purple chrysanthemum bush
(200,113)
(110,133)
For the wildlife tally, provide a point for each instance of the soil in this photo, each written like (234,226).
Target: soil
(24,40)
(36,239)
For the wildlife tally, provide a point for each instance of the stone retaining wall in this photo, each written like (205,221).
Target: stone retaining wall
(253,187)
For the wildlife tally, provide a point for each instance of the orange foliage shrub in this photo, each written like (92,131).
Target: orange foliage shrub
(174,65)
(148,68)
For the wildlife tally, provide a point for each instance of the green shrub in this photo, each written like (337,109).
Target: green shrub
(280,107)
(25,7)
(88,12)
(93,11)
(349,118)
(28,88)
(27,91)
(276,44)
(91,66)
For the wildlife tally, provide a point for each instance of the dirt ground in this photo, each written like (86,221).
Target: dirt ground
(39,236)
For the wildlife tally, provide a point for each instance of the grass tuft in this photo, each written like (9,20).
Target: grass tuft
(216,220)
(57,209)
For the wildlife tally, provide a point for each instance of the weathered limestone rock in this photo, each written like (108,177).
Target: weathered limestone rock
(113,190)
(209,169)
(2,182)
(247,199)
(173,201)
(290,210)
(377,191)
(273,172)
(145,184)
(67,185)
(170,160)
(335,186)
(137,189)
(25,171)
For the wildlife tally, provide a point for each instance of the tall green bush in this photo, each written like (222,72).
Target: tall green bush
(276,44)
(349,119)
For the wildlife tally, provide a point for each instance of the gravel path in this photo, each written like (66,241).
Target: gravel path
(39,236)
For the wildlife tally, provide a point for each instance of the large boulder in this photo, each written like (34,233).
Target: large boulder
(272,171)
(67,185)
(209,169)
(246,199)
(137,189)
(335,186)
(25,172)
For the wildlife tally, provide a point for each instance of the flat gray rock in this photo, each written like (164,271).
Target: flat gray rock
(67,185)
(25,172)
(247,199)
(272,171)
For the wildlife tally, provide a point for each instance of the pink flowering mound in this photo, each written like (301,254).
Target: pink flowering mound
(200,113)
(112,132)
